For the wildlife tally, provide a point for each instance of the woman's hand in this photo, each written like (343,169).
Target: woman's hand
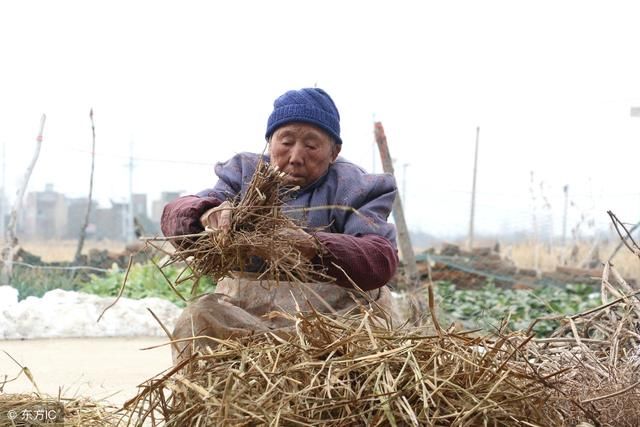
(218,218)
(301,240)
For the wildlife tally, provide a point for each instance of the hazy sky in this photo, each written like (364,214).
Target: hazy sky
(550,83)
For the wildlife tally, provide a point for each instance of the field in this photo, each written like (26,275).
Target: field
(64,250)
(524,254)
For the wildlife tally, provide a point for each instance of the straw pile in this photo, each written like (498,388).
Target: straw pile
(332,370)
(36,410)
(600,353)
(354,370)
(350,371)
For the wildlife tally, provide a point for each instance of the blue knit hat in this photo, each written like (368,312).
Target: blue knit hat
(309,105)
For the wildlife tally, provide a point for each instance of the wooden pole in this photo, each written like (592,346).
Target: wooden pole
(414,287)
(564,215)
(534,223)
(11,241)
(83,230)
(473,190)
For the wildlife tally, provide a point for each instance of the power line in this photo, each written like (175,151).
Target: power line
(143,159)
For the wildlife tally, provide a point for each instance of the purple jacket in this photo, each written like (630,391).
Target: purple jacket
(362,243)
(345,184)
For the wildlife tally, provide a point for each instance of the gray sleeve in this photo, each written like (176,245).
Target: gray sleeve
(373,209)
(231,175)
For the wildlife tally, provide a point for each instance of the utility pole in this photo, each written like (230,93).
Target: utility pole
(564,215)
(473,190)
(129,234)
(534,223)
(635,112)
(3,200)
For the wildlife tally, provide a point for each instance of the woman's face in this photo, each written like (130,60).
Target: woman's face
(303,151)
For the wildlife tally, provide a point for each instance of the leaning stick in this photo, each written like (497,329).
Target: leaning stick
(10,237)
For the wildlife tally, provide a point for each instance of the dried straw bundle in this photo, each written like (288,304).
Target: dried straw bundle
(258,229)
(36,410)
(350,371)
(600,353)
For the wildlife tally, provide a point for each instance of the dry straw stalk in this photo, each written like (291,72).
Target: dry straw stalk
(355,370)
(36,410)
(259,229)
(349,370)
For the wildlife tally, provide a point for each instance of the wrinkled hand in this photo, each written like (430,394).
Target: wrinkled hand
(301,240)
(218,218)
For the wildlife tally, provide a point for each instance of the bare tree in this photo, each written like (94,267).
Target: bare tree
(11,241)
(83,230)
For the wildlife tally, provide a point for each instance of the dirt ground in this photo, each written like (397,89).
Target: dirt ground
(100,368)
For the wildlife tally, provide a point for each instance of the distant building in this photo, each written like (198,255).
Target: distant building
(111,222)
(139,205)
(76,214)
(50,215)
(44,214)
(158,205)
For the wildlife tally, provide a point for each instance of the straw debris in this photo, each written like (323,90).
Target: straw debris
(37,409)
(600,352)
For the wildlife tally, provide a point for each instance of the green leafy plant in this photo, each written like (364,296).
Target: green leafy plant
(38,281)
(146,280)
(487,307)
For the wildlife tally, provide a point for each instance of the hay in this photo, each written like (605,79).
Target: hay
(37,409)
(350,371)
(600,351)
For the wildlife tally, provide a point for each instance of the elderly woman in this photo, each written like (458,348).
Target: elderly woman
(303,133)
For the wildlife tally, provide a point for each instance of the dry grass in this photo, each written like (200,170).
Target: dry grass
(600,353)
(36,410)
(64,250)
(524,256)
(354,370)
(349,370)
